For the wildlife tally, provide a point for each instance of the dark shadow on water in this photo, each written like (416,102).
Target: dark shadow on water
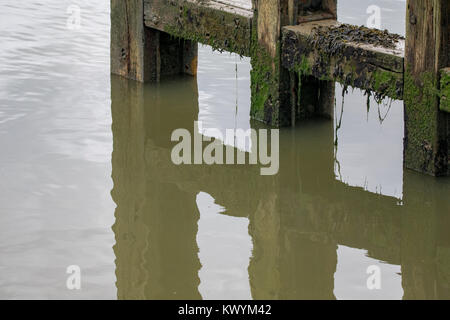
(297,218)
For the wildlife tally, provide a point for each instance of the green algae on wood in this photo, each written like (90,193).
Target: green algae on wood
(270,84)
(210,23)
(421,125)
(350,55)
(445,90)
(426,147)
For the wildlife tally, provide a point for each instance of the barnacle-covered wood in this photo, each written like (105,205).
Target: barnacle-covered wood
(355,56)
(222,24)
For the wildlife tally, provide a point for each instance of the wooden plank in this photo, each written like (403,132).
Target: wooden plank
(239,4)
(361,65)
(426,53)
(222,24)
(315,17)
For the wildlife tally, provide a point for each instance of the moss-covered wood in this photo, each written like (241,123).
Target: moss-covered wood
(313,96)
(294,66)
(426,127)
(311,49)
(209,22)
(270,84)
(445,90)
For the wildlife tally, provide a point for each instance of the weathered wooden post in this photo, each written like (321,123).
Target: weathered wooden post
(269,83)
(312,96)
(426,53)
(145,54)
(275,98)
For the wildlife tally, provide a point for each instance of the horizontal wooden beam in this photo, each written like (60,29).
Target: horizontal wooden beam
(317,16)
(359,64)
(445,90)
(222,24)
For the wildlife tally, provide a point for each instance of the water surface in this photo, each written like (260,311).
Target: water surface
(86,179)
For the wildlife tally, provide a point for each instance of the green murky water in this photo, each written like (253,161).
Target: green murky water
(86,179)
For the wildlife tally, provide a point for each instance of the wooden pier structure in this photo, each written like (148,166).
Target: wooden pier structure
(298,50)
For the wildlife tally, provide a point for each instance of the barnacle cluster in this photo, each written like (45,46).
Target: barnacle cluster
(332,39)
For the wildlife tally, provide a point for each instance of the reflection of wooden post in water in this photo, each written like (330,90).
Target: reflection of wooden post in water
(425,247)
(309,258)
(156,222)
(293,258)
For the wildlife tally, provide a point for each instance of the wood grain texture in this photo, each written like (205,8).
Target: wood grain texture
(426,52)
(271,85)
(132,46)
(224,25)
(145,54)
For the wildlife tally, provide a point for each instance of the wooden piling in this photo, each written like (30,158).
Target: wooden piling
(269,85)
(292,79)
(277,97)
(314,96)
(426,53)
(145,54)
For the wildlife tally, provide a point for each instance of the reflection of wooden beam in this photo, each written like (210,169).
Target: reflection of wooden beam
(356,64)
